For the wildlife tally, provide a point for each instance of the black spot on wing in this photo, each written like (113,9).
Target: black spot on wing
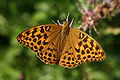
(27,32)
(88,51)
(39,36)
(83,52)
(31,44)
(77,50)
(85,46)
(42,30)
(45,43)
(81,35)
(92,41)
(47,28)
(39,42)
(85,39)
(89,56)
(69,58)
(32,35)
(45,36)
(34,31)
(26,38)
(79,57)
(35,47)
(80,43)
(41,47)
(96,48)
(34,40)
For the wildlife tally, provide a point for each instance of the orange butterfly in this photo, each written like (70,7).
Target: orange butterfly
(61,44)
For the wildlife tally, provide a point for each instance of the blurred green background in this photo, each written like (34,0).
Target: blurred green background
(19,63)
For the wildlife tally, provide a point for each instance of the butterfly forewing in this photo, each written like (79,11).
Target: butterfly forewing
(42,40)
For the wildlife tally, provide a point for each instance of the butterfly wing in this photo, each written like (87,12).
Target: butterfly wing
(43,40)
(80,48)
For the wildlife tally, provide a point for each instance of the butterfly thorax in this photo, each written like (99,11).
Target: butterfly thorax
(65,29)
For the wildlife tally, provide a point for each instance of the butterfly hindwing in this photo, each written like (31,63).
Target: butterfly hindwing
(68,59)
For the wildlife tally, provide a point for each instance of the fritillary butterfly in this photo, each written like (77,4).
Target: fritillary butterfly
(61,44)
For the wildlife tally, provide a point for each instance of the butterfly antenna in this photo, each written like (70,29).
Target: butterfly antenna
(54,22)
(71,23)
(59,22)
(67,16)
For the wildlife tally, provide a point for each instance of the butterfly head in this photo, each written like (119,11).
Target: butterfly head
(67,23)
(66,26)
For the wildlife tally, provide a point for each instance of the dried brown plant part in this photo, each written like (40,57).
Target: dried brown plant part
(90,18)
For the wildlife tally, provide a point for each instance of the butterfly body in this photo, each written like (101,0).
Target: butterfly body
(60,44)
(65,29)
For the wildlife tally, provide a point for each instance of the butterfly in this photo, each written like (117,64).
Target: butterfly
(61,44)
